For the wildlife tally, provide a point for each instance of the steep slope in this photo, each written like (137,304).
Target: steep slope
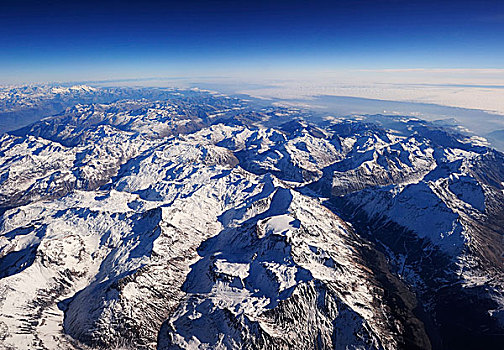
(286,277)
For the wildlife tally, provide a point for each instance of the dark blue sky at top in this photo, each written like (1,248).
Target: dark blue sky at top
(55,40)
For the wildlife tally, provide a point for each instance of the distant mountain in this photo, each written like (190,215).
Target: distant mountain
(188,219)
(21,106)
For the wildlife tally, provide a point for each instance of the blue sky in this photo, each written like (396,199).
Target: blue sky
(72,40)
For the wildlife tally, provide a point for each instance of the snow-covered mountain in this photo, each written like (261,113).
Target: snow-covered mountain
(23,105)
(195,220)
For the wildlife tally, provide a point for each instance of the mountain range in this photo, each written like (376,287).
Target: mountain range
(188,219)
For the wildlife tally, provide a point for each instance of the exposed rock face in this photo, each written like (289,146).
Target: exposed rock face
(201,221)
